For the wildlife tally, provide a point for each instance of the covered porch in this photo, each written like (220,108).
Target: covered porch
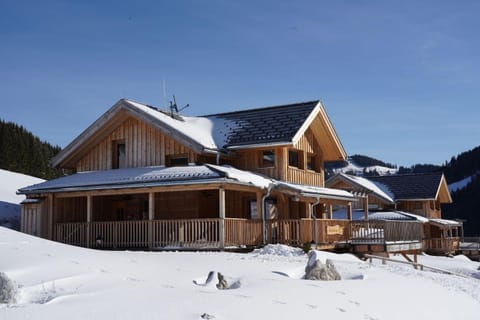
(216,216)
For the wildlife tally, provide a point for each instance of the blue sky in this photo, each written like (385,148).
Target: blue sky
(400,79)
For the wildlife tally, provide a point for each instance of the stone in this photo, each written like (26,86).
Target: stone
(222,283)
(316,270)
(8,289)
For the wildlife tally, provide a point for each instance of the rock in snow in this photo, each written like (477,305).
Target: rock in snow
(316,270)
(8,289)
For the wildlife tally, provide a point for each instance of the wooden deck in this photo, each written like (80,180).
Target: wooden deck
(200,233)
(210,234)
(442,246)
(386,236)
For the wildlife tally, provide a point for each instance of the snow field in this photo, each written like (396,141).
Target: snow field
(58,282)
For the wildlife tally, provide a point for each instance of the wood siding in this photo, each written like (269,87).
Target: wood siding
(307,146)
(144,146)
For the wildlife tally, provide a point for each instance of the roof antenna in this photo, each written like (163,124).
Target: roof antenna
(174,108)
(164,83)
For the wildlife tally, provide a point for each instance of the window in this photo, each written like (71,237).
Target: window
(119,159)
(268,158)
(293,158)
(311,162)
(177,160)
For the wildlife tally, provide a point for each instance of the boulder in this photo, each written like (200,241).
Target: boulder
(8,289)
(317,270)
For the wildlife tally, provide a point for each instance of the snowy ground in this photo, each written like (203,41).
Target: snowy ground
(62,282)
(10,209)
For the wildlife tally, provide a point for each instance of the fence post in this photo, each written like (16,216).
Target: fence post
(89,219)
(221,210)
(151,214)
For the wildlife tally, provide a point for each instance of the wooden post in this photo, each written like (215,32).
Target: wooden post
(89,219)
(221,211)
(349,211)
(330,211)
(365,216)
(50,217)
(259,204)
(151,216)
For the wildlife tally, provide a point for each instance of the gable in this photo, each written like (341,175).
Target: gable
(144,146)
(324,134)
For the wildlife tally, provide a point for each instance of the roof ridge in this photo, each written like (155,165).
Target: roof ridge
(262,108)
(407,174)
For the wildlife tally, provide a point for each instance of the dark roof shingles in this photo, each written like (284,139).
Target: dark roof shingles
(411,186)
(266,125)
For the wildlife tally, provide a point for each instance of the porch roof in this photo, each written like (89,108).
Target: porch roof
(128,178)
(317,192)
(170,176)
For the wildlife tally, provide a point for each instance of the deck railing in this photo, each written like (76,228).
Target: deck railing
(386,231)
(206,233)
(441,245)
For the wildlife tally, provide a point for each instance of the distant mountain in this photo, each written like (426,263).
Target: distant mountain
(360,165)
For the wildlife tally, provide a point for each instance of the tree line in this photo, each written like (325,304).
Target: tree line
(21,151)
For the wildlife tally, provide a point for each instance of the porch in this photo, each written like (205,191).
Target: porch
(209,233)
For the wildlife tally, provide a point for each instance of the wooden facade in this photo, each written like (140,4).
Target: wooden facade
(144,146)
(210,215)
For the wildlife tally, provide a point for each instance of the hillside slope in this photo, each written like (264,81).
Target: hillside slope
(9,200)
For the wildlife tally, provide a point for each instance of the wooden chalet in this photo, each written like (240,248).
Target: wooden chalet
(407,199)
(148,178)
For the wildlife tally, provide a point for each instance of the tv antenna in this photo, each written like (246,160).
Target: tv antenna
(174,108)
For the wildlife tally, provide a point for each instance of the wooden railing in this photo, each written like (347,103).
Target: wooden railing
(298,232)
(294,175)
(186,233)
(74,233)
(243,232)
(301,176)
(206,233)
(386,231)
(441,245)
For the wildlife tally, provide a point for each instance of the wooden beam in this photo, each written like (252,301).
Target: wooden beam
(330,211)
(349,211)
(221,211)
(50,216)
(259,204)
(365,204)
(89,219)
(193,187)
(151,217)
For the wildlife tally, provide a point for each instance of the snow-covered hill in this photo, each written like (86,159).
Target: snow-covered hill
(9,200)
(355,169)
(57,281)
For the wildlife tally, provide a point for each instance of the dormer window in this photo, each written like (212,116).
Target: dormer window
(119,158)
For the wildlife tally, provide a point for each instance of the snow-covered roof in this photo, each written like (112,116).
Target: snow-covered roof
(243,176)
(379,189)
(129,177)
(311,191)
(445,222)
(164,176)
(216,133)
